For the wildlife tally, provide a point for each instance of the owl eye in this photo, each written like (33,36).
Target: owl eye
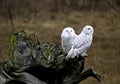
(66,30)
(88,28)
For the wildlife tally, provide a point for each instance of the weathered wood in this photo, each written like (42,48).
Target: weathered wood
(32,63)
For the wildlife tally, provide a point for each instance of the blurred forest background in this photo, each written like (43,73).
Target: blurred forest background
(47,18)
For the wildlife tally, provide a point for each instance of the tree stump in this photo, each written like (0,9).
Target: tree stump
(30,62)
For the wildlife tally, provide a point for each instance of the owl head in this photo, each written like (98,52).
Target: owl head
(88,29)
(68,32)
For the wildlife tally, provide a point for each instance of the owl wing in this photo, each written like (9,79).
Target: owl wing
(65,45)
(79,41)
(82,44)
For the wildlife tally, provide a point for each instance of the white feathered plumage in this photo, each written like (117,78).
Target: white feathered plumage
(67,36)
(79,44)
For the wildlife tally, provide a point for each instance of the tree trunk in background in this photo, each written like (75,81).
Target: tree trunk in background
(74,4)
(97,4)
(118,2)
(55,6)
(7,11)
(10,16)
(59,5)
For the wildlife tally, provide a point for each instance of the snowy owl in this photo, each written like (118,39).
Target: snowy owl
(81,43)
(67,36)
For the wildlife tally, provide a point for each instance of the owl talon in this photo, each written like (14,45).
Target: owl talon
(84,55)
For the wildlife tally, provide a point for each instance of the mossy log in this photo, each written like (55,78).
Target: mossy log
(30,62)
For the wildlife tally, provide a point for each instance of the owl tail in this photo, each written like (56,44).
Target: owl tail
(71,53)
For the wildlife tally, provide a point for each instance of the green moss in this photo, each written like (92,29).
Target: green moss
(13,43)
(49,55)
(10,57)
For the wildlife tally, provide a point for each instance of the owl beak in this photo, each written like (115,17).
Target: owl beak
(69,32)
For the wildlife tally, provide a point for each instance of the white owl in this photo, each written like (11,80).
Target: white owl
(67,36)
(81,43)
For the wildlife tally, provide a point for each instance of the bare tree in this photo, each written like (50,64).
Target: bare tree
(59,5)
(74,4)
(7,7)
